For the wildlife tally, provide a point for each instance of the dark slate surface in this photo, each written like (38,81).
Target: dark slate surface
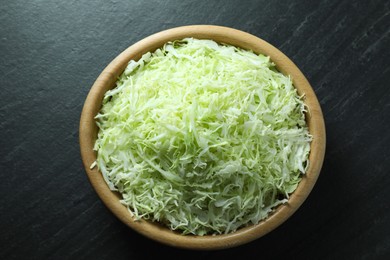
(51,53)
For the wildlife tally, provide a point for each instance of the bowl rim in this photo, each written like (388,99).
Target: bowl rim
(106,80)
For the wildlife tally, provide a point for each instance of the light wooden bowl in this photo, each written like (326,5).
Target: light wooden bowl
(106,80)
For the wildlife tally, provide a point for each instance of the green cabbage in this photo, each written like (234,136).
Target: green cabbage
(202,137)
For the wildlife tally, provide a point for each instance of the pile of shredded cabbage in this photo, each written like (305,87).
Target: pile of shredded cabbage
(202,137)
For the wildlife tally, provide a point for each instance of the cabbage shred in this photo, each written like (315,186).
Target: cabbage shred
(203,137)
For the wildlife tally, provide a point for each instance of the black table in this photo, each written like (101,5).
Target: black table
(51,53)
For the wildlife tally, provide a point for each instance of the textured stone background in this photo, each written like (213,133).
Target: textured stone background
(51,53)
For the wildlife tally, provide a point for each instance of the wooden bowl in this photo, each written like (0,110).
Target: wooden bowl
(155,231)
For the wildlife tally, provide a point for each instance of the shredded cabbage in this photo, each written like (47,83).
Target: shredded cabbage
(202,137)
